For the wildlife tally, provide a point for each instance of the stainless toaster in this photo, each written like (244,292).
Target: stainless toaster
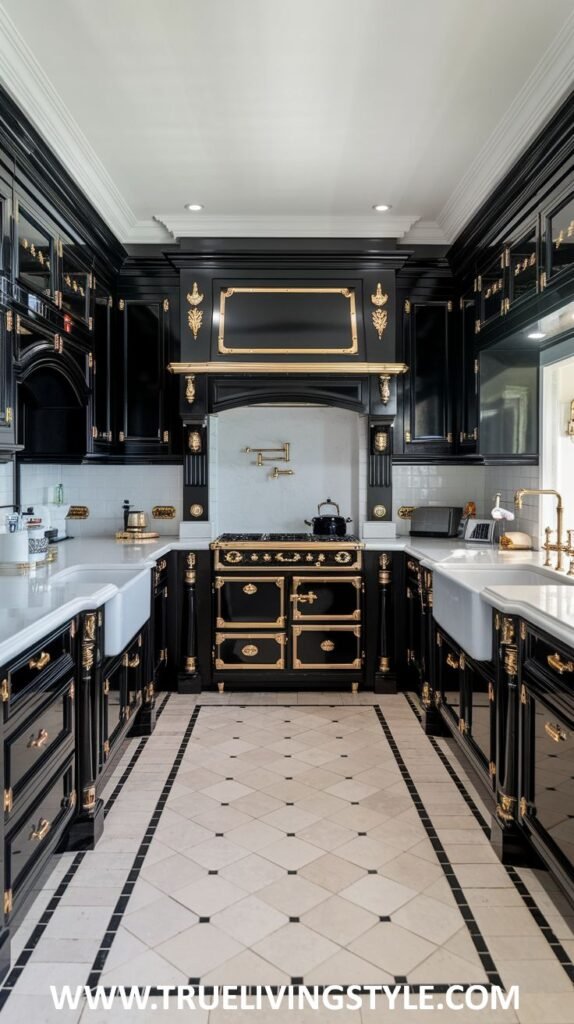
(435,521)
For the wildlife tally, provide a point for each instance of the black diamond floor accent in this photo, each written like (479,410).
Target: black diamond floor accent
(384,917)
(213,872)
(291,872)
(204,920)
(294,920)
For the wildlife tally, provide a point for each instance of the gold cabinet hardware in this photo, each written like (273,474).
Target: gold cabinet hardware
(407,306)
(462,727)
(133,661)
(342,557)
(121,436)
(491,769)
(7,901)
(106,687)
(543,281)
(523,695)
(166,437)
(9,416)
(309,598)
(285,558)
(439,640)
(39,740)
(491,691)
(4,691)
(249,588)
(523,631)
(196,511)
(379,512)
(449,437)
(327,645)
(106,748)
(408,437)
(40,833)
(523,806)
(40,662)
(8,800)
(250,650)
(9,321)
(451,661)
(555,662)
(165,305)
(555,732)
(95,433)
(72,692)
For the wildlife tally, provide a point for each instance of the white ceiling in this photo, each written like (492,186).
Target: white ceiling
(287,117)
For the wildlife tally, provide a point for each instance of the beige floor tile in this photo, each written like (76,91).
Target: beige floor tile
(332,872)
(290,819)
(293,895)
(249,920)
(158,921)
(140,969)
(296,949)
(254,835)
(252,873)
(291,853)
(505,921)
(172,873)
(412,871)
(325,834)
(380,895)
(348,969)
(339,920)
(429,918)
(216,853)
(444,967)
(246,969)
(225,792)
(534,976)
(208,895)
(199,949)
(221,819)
(392,948)
(546,1008)
(368,853)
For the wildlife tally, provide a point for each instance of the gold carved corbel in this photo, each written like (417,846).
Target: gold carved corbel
(190,389)
(194,314)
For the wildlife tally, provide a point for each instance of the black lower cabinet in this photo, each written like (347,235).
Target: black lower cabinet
(480,717)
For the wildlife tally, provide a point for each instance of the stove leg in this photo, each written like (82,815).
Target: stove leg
(221,687)
(354,687)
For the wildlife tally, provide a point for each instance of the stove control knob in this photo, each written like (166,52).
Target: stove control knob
(233,557)
(342,557)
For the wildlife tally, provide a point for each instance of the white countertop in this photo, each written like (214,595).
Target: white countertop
(31,606)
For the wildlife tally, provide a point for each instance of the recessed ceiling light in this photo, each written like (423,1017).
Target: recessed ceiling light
(381,207)
(536,335)
(194,207)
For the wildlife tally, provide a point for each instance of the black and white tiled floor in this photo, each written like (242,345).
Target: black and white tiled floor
(272,838)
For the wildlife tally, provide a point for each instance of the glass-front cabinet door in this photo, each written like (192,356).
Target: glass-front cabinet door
(509,401)
(559,236)
(7,427)
(468,377)
(35,252)
(428,405)
(521,262)
(76,282)
(144,326)
(103,375)
(490,290)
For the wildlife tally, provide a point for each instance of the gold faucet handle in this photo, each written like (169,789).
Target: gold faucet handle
(546,546)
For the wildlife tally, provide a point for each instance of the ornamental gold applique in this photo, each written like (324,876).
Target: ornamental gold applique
(380,316)
(194,315)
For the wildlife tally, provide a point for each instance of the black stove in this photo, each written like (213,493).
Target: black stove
(285,538)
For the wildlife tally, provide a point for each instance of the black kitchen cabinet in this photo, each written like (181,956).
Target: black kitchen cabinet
(449,680)
(7,395)
(143,345)
(76,282)
(103,376)
(429,408)
(35,250)
(480,717)
(509,403)
(468,377)
(558,234)
(160,646)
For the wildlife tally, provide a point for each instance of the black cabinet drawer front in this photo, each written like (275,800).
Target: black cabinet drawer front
(249,651)
(250,601)
(323,597)
(39,827)
(28,748)
(327,647)
(451,662)
(551,801)
(51,659)
(553,659)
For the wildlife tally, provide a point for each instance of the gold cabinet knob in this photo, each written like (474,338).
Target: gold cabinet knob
(327,645)
(249,588)
(451,661)
(555,732)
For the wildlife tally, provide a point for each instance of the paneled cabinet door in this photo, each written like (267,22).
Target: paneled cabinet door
(6,378)
(429,413)
(468,374)
(143,343)
(558,237)
(103,372)
(35,251)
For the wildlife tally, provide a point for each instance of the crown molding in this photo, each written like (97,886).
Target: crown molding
(26,81)
(285,226)
(537,100)
(425,232)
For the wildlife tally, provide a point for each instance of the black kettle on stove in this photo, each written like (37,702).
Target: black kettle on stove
(329,525)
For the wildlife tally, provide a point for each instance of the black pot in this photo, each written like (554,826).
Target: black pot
(329,526)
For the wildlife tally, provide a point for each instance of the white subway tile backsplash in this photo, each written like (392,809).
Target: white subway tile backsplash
(6,483)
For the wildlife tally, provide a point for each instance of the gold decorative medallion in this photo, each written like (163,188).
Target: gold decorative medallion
(194,442)
(194,315)
(196,511)
(250,650)
(379,512)
(249,588)
(380,316)
(327,645)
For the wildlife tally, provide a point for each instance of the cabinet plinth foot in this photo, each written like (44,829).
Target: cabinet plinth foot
(144,724)
(384,683)
(221,687)
(433,723)
(511,846)
(188,684)
(85,831)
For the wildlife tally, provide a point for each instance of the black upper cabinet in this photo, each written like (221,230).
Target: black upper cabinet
(7,419)
(35,251)
(143,346)
(103,373)
(558,235)
(76,282)
(428,407)
(467,374)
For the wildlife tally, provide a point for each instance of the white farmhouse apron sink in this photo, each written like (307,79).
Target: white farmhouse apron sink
(127,611)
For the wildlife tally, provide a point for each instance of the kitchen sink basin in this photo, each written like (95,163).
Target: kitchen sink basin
(127,610)
(459,607)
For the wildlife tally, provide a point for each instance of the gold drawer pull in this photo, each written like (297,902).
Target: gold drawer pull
(249,588)
(452,661)
(305,598)
(327,645)
(40,662)
(555,732)
(39,740)
(134,661)
(37,834)
(250,650)
(555,662)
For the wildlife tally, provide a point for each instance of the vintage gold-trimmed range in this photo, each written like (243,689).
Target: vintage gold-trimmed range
(316,600)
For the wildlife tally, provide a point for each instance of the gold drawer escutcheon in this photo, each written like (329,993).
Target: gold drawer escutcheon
(249,588)
(40,833)
(250,650)
(327,645)
(555,662)
(555,732)
(39,740)
(40,662)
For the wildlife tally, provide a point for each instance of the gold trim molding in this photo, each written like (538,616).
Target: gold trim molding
(347,293)
(348,367)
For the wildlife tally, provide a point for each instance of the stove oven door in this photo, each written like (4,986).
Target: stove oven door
(323,597)
(250,602)
(249,651)
(326,647)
